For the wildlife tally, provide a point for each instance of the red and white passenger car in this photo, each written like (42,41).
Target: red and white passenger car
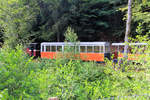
(87,51)
(132,55)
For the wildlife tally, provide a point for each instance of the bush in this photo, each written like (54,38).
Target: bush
(79,80)
(130,82)
(37,79)
(17,74)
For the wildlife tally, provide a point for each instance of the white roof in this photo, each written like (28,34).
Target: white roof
(122,44)
(78,43)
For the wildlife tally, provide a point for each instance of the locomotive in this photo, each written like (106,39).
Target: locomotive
(33,49)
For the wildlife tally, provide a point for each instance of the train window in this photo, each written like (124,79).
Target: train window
(48,48)
(67,48)
(42,48)
(114,49)
(38,47)
(89,49)
(76,49)
(121,49)
(82,49)
(96,49)
(59,48)
(72,48)
(53,48)
(135,49)
(101,49)
(106,49)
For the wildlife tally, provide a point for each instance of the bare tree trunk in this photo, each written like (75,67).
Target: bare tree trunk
(128,28)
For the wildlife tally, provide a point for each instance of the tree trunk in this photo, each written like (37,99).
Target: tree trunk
(128,28)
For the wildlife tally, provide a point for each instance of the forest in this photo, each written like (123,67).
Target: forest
(34,21)
(47,20)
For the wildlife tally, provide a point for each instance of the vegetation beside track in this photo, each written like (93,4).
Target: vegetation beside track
(23,78)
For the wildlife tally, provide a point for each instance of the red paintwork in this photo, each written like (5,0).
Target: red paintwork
(36,53)
(49,55)
(82,56)
(27,51)
(92,56)
(130,56)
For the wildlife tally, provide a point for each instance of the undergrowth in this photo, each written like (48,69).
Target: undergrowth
(22,78)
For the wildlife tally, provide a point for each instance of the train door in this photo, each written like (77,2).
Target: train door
(114,52)
(117,51)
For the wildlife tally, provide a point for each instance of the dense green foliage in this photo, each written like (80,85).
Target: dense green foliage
(96,20)
(140,17)
(25,78)
(15,73)
(17,18)
(47,20)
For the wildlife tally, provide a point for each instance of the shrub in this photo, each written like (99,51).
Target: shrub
(16,71)
(37,79)
(79,80)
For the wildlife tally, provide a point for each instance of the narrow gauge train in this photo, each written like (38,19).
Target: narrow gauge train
(87,51)
(119,50)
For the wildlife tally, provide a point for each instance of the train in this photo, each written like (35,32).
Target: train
(86,51)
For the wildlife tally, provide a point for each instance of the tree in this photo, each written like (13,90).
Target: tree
(95,19)
(140,17)
(70,35)
(52,20)
(90,19)
(140,13)
(16,19)
(128,28)
(47,20)
(71,52)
